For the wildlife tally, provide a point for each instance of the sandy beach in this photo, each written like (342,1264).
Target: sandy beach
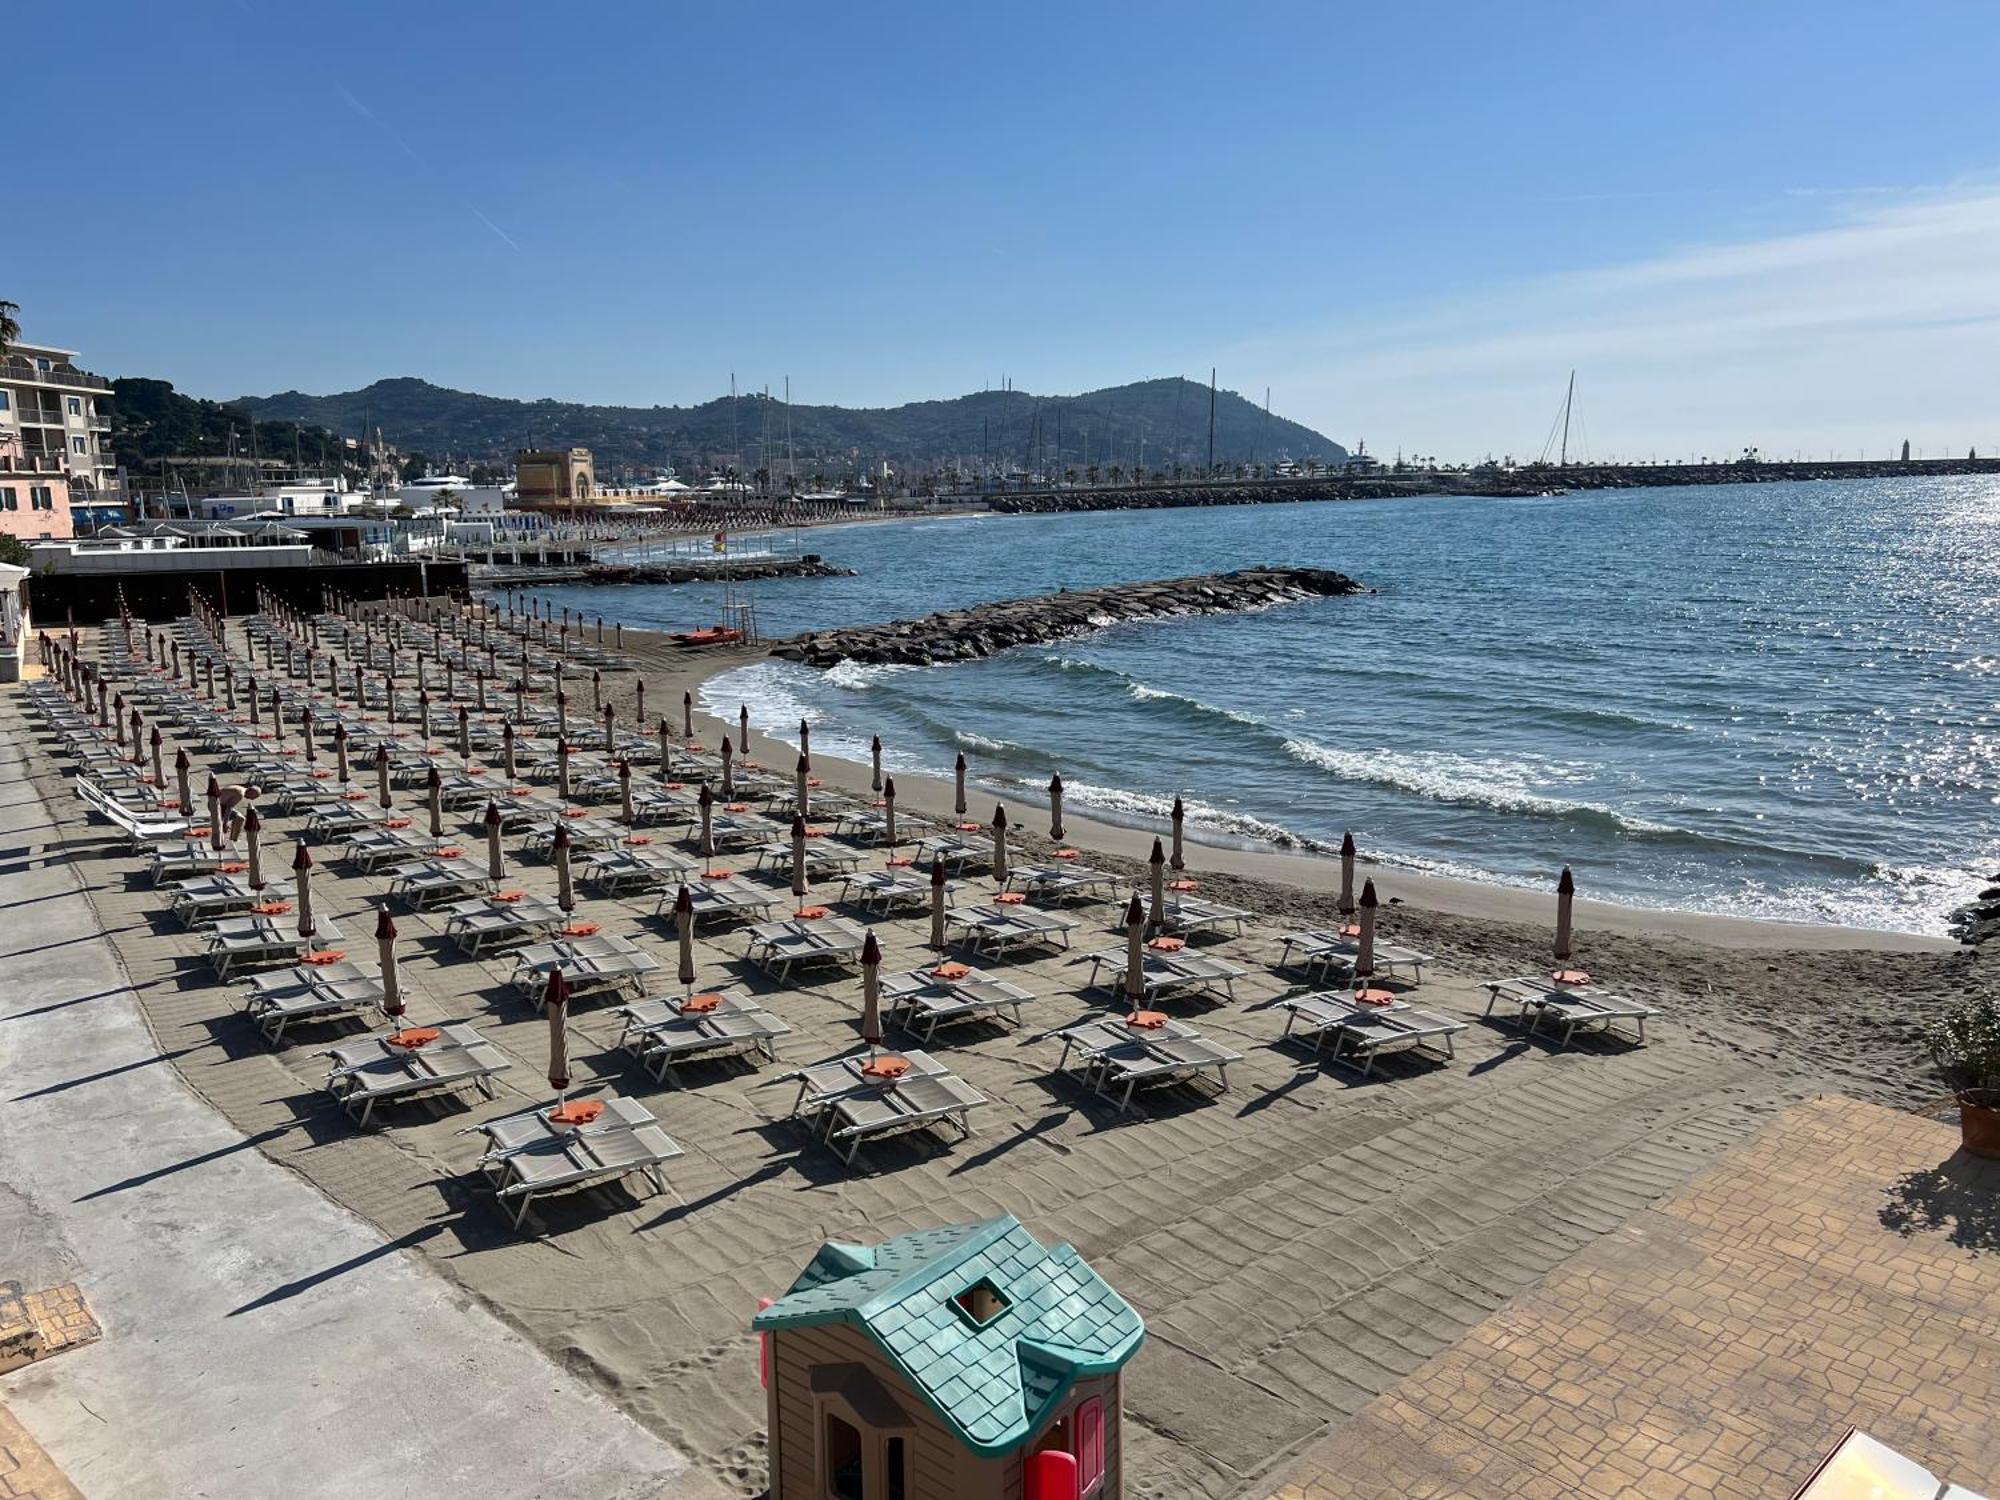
(1297,1244)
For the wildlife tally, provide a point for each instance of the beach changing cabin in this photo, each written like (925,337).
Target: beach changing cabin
(965,1363)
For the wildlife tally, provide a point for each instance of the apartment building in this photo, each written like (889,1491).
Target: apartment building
(55,440)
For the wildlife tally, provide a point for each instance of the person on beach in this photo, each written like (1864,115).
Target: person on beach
(231,806)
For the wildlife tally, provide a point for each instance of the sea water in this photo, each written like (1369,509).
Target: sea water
(1776,700)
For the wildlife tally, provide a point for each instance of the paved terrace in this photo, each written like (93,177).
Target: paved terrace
(1842,1269)
(1299,1245)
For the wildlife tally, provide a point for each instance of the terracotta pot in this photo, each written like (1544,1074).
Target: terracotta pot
(1979,1123)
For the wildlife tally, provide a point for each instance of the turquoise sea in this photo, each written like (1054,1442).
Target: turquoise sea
(1778,699)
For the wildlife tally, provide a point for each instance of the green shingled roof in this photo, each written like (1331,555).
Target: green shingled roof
(993,1383)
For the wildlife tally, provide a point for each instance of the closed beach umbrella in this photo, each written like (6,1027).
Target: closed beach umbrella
(889,812)
(507,752)
(871,993)
(424,712)
(388,697)
(479,689)
(496,859)
(214,812)
(565,890)
(562,768)
(340,753)
(434,799)
(556,999)
(1135,954)
(1177,860)
(706,801)
(382,774)
(1347,875)
(562,714)
(1055,807)
(802,793)
(1000,845)
(743,727)
(385,953)
(728,770)
(464,732)
(1565,897)
(805,738)
(639,692)
(1364,950)
(159,771)
(302,864)
(625,791)
(684,936)
(687,715)
(610,729)
(182,788)
(597,683)
(875,759)
(1156,871)
(250,692)
(937,904)
(666,751)
(800,885)
(252,855)
(958,772)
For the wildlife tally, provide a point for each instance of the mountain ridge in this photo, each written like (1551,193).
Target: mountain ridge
(1159,422)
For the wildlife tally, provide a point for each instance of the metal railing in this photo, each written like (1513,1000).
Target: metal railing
(16,367)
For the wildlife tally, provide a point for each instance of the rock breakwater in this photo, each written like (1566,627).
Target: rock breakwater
(982,630)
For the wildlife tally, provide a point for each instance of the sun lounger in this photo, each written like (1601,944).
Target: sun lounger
(1361,1033)
(921,1001)
(660,1033)
(822,861)
(723,900)
(428,880)
(1120,1059)
(997,928)
(1168,974)
(371,1071)
(616,871)
(139,829)
(1324,952)
(206,897)
(592,965)
(233,941)
(781,946)
(1573,1008)
(886,888)
(956,852)
(530,1158)
(909,1103)
(823,1082)
(186,860)
(1191,914)
(310,992)
(1061,882)
(368,847)
(487,923)
(745,831)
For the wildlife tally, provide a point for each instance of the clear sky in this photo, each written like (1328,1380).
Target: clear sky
(1772,223)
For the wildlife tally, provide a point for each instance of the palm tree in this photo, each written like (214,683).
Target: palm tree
(10,326)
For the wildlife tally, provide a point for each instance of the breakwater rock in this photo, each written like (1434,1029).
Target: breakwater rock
(1978,921)
(708,569)
(985,629)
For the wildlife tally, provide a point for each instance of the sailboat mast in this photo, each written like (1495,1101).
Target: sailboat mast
(1569,400)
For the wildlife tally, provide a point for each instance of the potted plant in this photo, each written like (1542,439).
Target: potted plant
(1966,1043)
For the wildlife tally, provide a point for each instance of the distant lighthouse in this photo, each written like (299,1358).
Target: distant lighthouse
(1906,450)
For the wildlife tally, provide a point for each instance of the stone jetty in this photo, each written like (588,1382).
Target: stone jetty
(713,569)
(985,629)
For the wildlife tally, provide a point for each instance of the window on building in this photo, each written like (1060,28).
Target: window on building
(41,497)
(76,406)
(843,1460)
(78,445)
(6,400)
(1089,1449)
(44,365)
(9,500)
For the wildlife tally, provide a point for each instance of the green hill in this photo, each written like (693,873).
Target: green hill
(1166,421)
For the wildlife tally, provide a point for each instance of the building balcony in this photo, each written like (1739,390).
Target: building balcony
(17,368)
(31,463)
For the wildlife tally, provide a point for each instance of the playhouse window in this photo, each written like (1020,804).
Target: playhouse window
(981,1302)
(843,1460)
(1089,1449)
(894,1469)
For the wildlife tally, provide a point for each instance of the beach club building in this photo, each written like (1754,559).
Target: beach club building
(964,1363)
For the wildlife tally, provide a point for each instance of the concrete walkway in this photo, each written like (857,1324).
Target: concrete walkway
(259,1340)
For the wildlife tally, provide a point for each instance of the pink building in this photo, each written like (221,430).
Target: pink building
(34,493)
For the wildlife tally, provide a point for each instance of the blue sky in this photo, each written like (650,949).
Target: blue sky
(1772,223)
